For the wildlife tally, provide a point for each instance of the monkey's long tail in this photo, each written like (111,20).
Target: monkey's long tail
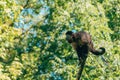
(98,52)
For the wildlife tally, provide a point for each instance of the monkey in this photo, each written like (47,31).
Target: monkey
(82,43)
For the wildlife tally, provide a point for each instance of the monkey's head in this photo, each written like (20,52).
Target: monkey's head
(70,36)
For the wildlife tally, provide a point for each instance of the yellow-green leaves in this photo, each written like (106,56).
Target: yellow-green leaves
(33,45)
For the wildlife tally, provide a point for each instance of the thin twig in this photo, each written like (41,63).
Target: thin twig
(26,4)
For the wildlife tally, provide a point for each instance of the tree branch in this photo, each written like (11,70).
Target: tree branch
(81,69)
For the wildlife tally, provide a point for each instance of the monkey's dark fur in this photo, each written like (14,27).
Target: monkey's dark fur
(82,43)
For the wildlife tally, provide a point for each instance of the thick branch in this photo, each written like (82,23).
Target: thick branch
(81,69)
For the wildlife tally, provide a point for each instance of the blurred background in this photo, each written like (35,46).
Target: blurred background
(33,45)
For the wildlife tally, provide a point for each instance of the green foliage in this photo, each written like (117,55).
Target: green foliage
(33,45)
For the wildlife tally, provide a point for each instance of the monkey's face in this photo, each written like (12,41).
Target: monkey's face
(69,38)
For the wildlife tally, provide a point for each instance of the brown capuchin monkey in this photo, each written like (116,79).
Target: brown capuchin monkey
(82,44)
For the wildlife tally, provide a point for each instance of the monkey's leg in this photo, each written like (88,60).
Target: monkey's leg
(81,68)
(82,54)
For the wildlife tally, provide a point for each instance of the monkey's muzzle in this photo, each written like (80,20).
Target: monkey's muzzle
(69,39)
